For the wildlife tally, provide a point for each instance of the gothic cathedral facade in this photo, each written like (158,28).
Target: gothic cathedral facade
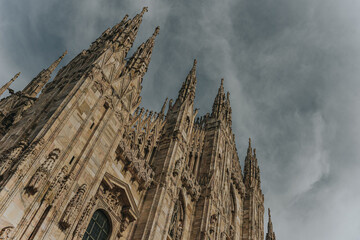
(81,160)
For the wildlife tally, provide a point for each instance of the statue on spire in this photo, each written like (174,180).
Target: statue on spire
(7,85)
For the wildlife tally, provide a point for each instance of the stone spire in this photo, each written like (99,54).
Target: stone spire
(35,86)
(56,63)
(221,108)
(120,37)
(140,60)
(228,108)
(125,32)
(251,169)
(270,235)
(189,86)
(162,112)
(7,85)
(219,101)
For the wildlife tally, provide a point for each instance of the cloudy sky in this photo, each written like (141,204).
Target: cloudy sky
(292,67)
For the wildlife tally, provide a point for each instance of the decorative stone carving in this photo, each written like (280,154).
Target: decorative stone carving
(239,184)
(29,155)
(213,220)
(42,172)
(231,232)
(5,233)
(125,221)
(142,173)
(58,186)
(178,166)
(10,156)
(119,200)
(72,208)
(139,168)
(81,226)
(192,186)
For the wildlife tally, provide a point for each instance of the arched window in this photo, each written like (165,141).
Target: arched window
(99,227)
(177,221)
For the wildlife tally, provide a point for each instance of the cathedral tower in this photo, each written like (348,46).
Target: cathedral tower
(80,159)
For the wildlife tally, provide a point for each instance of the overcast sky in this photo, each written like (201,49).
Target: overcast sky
(292,67)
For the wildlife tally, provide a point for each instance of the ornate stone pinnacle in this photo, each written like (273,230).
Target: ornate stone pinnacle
(156,32)
(16,76)
(163,107)
(56,63)
(125,18)
(144,10)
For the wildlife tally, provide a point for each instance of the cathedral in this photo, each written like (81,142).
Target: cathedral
(81,160)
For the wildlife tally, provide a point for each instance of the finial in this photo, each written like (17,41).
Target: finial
(56,63)
(145,9)
(269,213)
(222,81)
(249,142)
(16,76)
(195,62)
(255,152)
(228,95)
(156,32)
(125,17)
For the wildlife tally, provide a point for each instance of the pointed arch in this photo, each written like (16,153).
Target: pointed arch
(100,226)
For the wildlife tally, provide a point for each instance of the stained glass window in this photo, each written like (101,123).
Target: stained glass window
(98,228)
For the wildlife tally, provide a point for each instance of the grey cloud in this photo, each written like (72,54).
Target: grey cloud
(291,67)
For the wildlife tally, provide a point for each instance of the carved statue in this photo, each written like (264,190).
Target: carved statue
(81,227)
(5,233)
(72,208)
(10,156)
(42,172)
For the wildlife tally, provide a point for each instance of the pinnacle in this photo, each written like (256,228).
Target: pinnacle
(56,63)
(16,76)
(189,86)
(144,10)
(7,85)
(156,32)
(249,151)
(143,53)
(269,214)
(125,18)
(163,107)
